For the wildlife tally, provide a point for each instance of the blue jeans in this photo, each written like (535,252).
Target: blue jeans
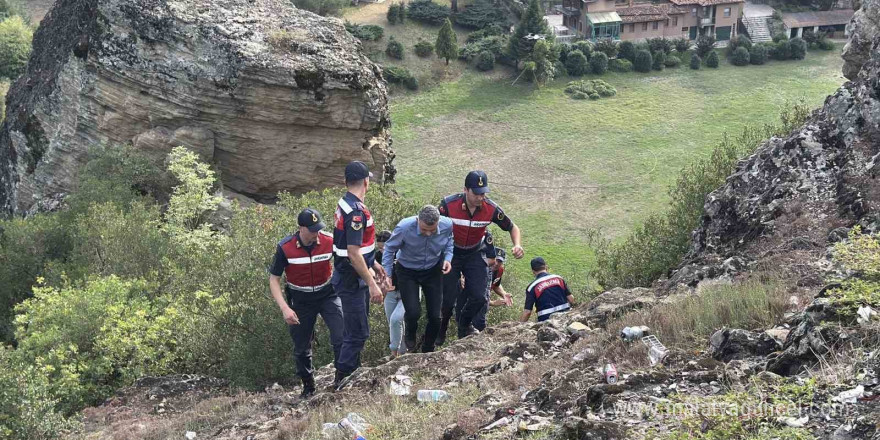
(394,311)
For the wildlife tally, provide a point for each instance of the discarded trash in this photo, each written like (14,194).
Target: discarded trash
(866,314)
(851,396)
(656,350)
(432,395)
(630,334)
(504,421)
(400,385)
(793,422)
(610,372)
(537,426)
(190,435)
(351,427)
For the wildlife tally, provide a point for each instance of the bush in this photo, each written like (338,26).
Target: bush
(810,37)
(696,62)
(660,44)
(644,61)
(672,61)
(620,65)
(599,63)
(480,15)
(401,13)
(682,45)
(400,75)
(27,407)
(321,7)
(486,61)
(781,36)
(585,47)
(798,48)
(576,63)
(15,46)
(705,44)
(758,54)
(393,13)
(394,49)
(859,255)
(428,12)
(626,50)
(483,33)
(781,51)
(424,48)
(592,89)
(564,49)
(606,46)
(740,57)
(712,60)
(659,60)
(495,45)
(365,32)
(659,244)
(740,41)
(825,44)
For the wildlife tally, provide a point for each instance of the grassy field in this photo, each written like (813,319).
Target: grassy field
(561,167)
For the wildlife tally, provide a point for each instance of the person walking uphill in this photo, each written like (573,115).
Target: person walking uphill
(423,247)
(354,246)
(548,293)
(471,213)
(304,259)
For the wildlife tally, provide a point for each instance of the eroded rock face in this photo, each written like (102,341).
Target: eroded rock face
(278,98)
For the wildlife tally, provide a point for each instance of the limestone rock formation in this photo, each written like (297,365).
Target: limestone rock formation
(277,98)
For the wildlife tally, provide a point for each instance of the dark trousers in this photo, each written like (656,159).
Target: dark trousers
(355,296)
(330,309)
(431,283)
(470,299)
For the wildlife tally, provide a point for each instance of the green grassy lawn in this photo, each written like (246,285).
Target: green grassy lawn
(562,167)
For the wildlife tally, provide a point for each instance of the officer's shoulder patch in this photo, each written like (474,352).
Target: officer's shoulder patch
(489,239)
(357,226)
(500,215)
(356,218)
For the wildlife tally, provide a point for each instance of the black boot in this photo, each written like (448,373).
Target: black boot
(308,387)
(342,379)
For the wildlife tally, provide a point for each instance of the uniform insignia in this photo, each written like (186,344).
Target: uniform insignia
(480,182)
(500,215)
(314,218)
(357,226)
(489,239)
(356,218)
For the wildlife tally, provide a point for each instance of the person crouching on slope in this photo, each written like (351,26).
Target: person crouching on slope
(548,294)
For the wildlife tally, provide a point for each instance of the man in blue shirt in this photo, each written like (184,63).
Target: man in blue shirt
(423,247)
(548,293)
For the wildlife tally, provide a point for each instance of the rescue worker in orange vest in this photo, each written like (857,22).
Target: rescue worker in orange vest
(471,213)
(305,260)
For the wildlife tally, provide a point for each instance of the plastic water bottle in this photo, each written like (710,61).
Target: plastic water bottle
(432,396)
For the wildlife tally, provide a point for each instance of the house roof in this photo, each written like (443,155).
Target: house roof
(643,13)
(643,18)
(704,2)
(603,17)
(816,18)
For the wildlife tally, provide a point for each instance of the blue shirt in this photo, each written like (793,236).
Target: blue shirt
(416,251)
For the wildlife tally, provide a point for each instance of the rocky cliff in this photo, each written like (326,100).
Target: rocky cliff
(277,98)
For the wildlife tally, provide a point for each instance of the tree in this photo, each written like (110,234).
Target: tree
(394,49)
(541,63)
(740,56)
(446,46)
(712,60)
(15,46)
(485,61)
(643,61)
(401,13)
(798,48)
(606,46)
(705,44)
(658,60)
(532,23)
(576,63)
(599,63)
(626,50)
(393,13)
(695,62)
(682,45)
(758,54)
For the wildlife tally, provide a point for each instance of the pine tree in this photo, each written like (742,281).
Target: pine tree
(446,46)
(532,23)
